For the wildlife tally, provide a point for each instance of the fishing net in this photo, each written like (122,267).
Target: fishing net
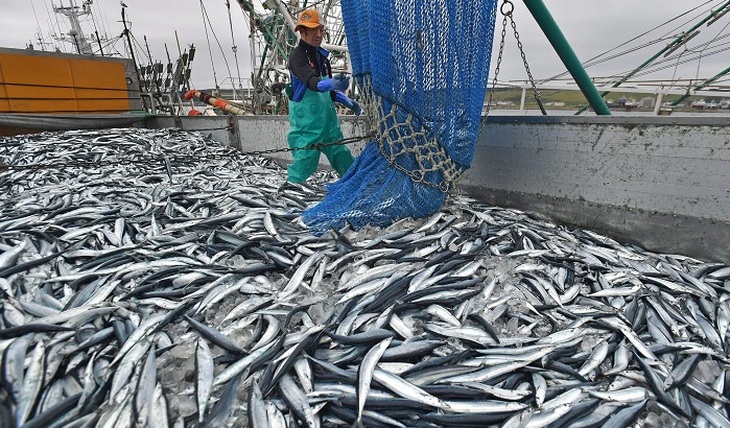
(422,69)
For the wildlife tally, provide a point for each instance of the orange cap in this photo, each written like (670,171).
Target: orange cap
(308,18)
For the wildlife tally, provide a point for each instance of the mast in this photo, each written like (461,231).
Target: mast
(272,38)
(73,12)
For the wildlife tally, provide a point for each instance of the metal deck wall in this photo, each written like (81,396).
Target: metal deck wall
(662,182)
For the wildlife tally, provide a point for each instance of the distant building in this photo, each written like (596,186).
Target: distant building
(647,102)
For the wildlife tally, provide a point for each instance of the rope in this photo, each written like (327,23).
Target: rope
(220,47)
(234,48)
(401,139)
(667,35)
(207,38)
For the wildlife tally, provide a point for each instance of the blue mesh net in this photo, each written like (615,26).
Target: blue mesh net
(422,69)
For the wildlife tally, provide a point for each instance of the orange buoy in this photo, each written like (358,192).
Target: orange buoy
(216,102)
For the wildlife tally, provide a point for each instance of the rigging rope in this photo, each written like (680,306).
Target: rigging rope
(210,51)
(234,47)
(667,35)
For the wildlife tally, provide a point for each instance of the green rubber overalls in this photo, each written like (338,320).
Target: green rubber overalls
(314,120)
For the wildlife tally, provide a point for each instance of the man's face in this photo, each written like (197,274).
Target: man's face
(313,36)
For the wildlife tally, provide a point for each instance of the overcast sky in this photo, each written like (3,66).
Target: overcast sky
(590,26)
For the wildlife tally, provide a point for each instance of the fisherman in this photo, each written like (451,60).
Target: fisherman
(312,115)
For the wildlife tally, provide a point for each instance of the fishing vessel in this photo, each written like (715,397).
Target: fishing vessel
(94,85)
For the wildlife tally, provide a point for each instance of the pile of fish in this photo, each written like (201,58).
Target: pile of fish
(157,278)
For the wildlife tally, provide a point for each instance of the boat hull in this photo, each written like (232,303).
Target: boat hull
(15,124)
(52,91)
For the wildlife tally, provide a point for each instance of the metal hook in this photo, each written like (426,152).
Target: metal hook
(503,9)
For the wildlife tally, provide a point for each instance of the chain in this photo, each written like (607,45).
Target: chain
(315,146)
(536,93)
(165,160)
(506,10)
(501,52)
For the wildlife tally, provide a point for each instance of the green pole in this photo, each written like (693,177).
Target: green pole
(565,52)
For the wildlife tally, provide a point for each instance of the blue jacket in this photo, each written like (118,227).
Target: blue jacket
(307,64)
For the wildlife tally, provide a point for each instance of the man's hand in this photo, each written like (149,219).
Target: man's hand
(348,102)
(338,83)
(356,108)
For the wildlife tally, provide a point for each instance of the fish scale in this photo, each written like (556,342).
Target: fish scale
(148,250)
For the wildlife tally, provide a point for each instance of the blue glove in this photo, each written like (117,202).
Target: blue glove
(338,83)
(348,102)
